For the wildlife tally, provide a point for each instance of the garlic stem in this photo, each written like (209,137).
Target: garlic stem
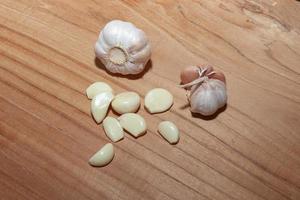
(211,73)
(194,82)
(202,71)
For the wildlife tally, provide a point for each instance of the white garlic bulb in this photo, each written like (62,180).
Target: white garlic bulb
(123,48)
(208,92)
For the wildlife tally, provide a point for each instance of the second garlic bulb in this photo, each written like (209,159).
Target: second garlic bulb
(123,48)
(206,89)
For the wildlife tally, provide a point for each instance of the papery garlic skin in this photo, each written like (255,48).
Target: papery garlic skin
(208,97)
(123,48)
(207,92)
(191,73)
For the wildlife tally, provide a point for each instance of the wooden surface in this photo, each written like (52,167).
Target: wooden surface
(250,151)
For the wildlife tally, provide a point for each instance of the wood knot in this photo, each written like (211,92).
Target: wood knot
(252,7)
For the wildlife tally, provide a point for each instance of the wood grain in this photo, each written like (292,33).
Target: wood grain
(249,151)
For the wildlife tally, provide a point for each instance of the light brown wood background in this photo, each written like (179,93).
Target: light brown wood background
(250,151)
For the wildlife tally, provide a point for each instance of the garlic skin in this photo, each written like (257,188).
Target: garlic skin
(207,93)
(208,97)
(191,73)
(123,48)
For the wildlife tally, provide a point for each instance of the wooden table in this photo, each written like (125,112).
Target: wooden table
(249,151)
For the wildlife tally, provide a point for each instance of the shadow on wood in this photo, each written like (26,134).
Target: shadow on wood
(210,117)
(185,106)
(148,66)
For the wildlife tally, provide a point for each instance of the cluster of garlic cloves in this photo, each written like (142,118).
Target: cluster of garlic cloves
(126,104)
(123,48)
(206,89)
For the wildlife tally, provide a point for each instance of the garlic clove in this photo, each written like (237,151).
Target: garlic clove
(139,56)
(133,124)
(104,46)
(113,32)
(219,76)
(205,103)
(208,68)
(97,88)
(134,68)
(158,100)
(126,102)
(189,74)
(113,129)
(220,92)
(103,157)
(123,48)
(207,98)
(169,131)
(100,104)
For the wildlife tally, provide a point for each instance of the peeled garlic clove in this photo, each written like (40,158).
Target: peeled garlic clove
(158,100)
(126,102)
(169,131)
(207,98)
(100,104)
(97,88)
(103,156)
(123,48)
(113,129)
(133,123)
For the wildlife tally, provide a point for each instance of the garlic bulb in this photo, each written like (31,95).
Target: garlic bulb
(208,92)
(123,48)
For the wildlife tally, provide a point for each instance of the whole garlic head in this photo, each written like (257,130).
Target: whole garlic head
(207,92)
(123,48)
